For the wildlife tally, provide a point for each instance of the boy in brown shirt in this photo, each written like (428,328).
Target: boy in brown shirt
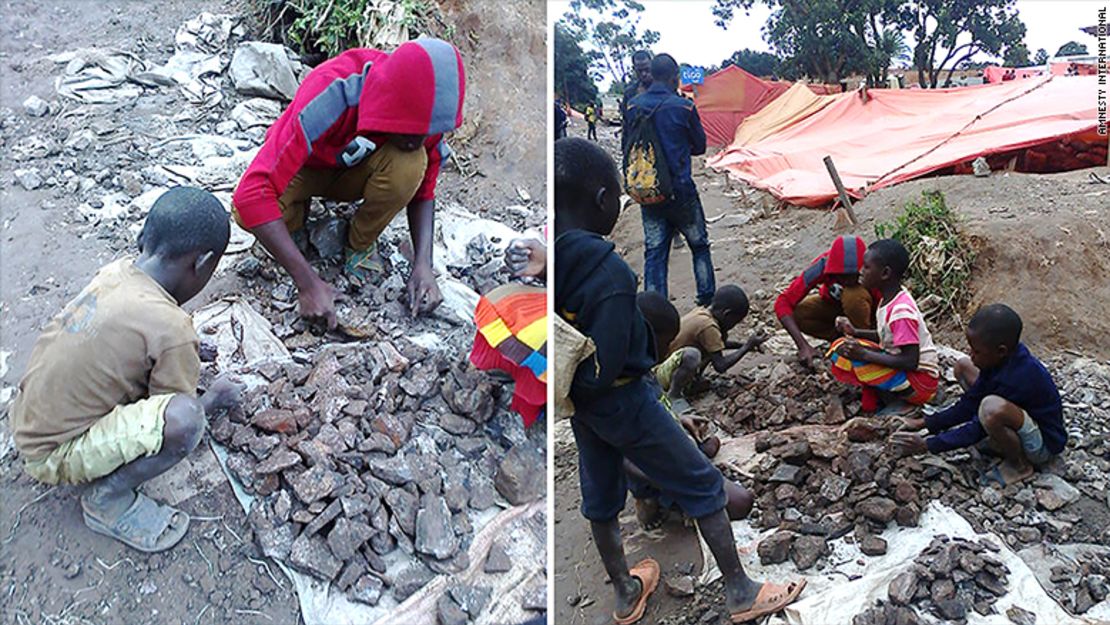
(109,396)
(702,340)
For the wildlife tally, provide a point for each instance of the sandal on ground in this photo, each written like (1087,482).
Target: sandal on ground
(364,264)
(993,476)
(647,571)
(771,598)
(147,525)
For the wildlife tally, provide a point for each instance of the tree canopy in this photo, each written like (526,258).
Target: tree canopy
(572,75)
(830,39)
(612,30)
(1071,48)
(753,62)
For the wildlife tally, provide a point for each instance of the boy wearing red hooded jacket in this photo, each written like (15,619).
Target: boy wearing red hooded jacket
(364,125)
(835,275)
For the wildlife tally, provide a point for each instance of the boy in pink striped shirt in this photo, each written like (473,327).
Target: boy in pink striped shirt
(898,359)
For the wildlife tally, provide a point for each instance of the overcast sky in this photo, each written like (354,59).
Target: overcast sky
(688,33)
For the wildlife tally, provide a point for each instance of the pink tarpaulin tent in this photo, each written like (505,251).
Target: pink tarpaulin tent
(730,95)
(899,134)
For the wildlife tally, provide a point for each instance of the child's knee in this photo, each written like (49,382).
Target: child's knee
(691,359)
(710,447)
(740,501)
(992,412)
(183,424)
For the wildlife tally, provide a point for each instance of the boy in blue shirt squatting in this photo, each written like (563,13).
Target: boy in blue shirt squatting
(1009,399)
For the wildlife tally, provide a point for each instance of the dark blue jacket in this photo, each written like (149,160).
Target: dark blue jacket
(680,132)
(1021,379)
(595,291)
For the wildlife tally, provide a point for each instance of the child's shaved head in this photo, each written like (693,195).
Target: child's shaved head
(731,298)
(659,312)
(185,220)
(890,253)
(996,325)
(587,186)
(663,318)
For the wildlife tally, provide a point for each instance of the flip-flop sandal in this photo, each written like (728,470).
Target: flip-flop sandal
(647,570)
(993,476)
(771,598)
(147,525)
(364,264)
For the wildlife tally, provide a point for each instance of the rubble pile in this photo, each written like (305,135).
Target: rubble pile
(372,441)
(950,578)
(823,481)
(832,483)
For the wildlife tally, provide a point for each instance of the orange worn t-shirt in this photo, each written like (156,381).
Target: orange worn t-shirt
(122,339)
(699,329)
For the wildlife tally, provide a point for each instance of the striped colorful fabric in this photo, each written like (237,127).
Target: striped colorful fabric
(915,387)
(512,337)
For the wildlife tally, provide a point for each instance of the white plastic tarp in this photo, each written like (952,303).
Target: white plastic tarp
(852,582)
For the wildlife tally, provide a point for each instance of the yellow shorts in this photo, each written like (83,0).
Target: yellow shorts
(664,371)
(119,437)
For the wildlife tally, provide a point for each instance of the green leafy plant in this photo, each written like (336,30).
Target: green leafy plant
(941,255)
(330,27)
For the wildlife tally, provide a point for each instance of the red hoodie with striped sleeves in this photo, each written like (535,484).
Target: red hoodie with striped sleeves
(416,90)
(845,256)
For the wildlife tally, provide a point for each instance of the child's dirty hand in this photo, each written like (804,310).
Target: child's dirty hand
(756,340)
(845,327)
(908,444)
(850,349)
(806,354)
(698,427)
(526,258)
(912,424)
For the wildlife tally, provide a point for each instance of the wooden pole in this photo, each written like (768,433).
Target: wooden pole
(840,190)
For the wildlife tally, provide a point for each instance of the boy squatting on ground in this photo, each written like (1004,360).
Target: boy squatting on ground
(651,507)
(899,358)
(701,340)
(365,125)
(618,415)
(835,275)
(1009,399)
(109,396)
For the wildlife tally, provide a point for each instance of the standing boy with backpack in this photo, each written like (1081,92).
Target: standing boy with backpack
(664,132)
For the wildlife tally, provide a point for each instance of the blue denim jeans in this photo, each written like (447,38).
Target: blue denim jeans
(630,422)
(661,222)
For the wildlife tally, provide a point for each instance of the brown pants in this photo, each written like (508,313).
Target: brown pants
(385,181)
(817,317)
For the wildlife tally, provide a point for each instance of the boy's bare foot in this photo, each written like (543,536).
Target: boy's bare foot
(650,514)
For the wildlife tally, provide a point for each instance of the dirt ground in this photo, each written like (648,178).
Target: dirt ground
(1042,243)
(52,569)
